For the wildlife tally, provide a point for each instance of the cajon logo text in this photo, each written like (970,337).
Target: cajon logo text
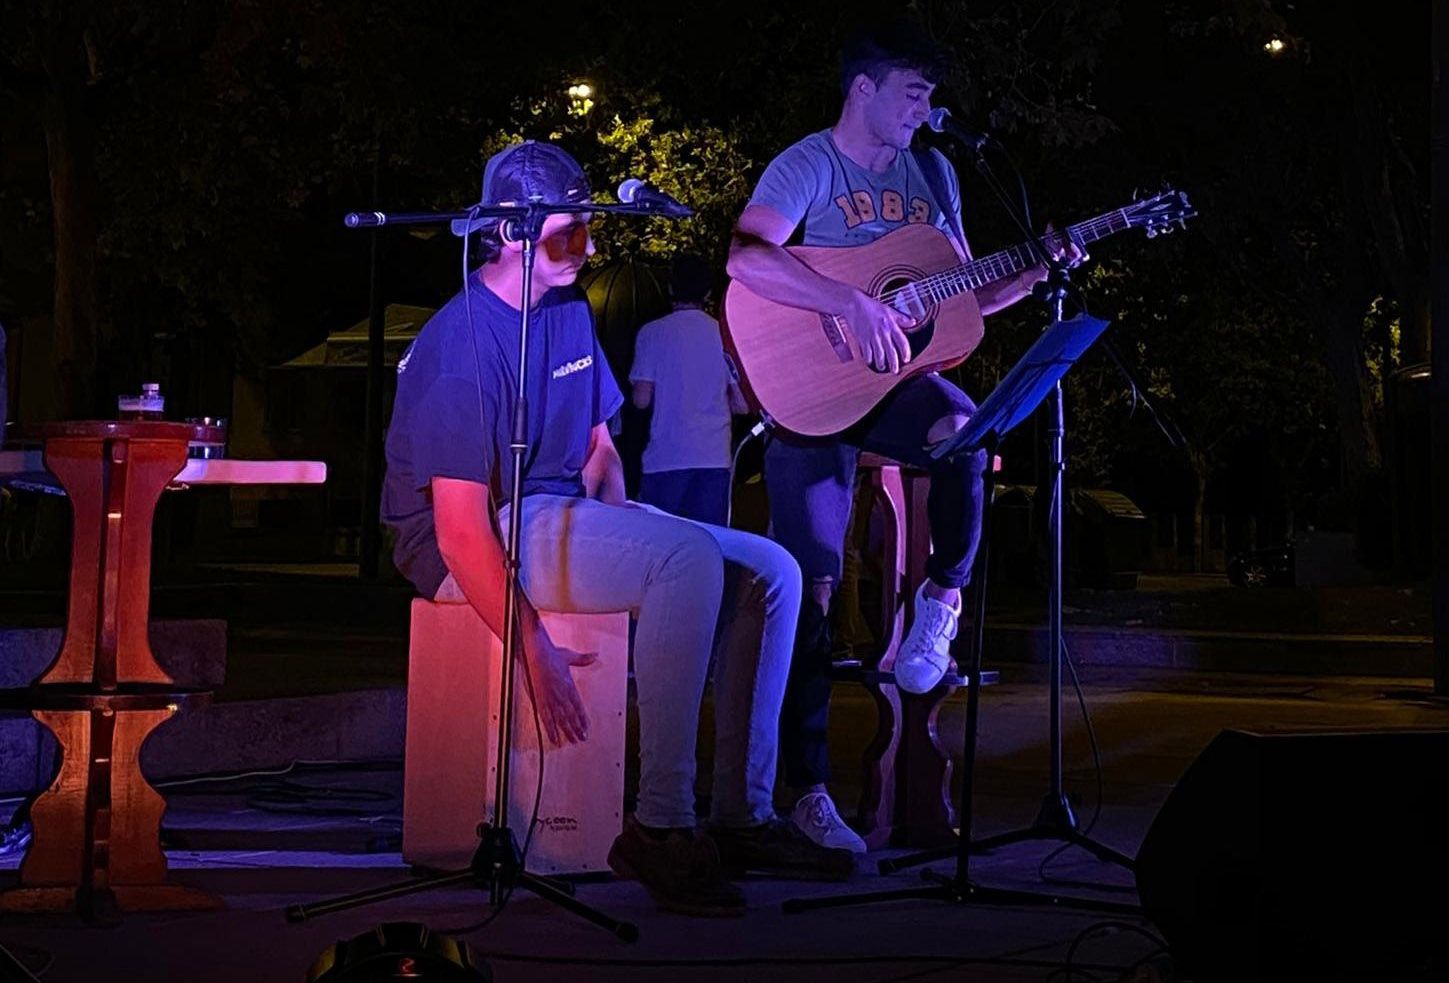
(559,824)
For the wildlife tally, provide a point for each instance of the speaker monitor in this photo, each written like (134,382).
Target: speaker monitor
(1304,856)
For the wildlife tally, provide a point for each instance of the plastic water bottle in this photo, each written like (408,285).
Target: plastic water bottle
(150,405)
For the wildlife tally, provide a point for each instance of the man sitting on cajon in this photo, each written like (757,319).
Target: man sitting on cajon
(586,549)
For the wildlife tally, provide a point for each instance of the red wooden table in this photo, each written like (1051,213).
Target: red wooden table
(96,829)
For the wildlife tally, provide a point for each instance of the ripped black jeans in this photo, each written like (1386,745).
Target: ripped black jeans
(810,483)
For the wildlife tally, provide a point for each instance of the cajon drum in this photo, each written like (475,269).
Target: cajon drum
(450,762)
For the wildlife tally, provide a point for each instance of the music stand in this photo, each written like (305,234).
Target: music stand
(1035,377)
(1031,380)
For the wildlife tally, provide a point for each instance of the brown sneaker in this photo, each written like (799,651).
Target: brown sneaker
(680,870)
(778,847)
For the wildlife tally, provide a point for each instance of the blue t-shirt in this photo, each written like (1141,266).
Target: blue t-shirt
(841,203)
(445,425)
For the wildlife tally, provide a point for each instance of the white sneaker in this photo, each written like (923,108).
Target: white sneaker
(925,654)
(815,816)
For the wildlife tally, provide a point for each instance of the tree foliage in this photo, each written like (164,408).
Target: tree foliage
(175,174)
(637,135)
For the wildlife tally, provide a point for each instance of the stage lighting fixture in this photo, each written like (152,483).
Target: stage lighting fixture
(399,951)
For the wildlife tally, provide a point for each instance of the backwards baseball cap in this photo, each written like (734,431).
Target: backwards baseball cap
(533,171)
(527,172)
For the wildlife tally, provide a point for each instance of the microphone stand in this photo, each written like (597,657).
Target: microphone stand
(465,222)
(497,864)
(1056,820)
(1139,394)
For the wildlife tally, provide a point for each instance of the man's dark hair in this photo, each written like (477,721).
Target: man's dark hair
(877,50)
(690,279)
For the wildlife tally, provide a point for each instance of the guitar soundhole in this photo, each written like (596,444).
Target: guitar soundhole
(902,293)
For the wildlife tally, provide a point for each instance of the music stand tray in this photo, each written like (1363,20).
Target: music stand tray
(1023,388)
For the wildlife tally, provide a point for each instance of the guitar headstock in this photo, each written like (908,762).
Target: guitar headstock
(1159,213)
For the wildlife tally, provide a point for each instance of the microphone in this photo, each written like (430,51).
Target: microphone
(462,224)
(940,121)
(650,199)
(364,220)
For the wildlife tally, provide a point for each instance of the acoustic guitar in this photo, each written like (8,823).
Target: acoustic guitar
(803,370)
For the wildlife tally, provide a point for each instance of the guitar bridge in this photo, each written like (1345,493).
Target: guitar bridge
(836,337)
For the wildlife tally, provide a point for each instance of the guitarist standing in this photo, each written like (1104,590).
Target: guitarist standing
(848,186)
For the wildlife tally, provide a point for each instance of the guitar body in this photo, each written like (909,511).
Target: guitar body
(804,370)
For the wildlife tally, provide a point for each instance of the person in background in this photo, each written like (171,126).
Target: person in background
(679,370)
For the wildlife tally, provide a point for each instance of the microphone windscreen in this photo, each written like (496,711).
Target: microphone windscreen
(629,190)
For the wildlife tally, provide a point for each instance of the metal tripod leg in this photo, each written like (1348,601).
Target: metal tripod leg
(496,868)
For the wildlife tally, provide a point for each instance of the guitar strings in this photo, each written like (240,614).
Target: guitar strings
(947,283)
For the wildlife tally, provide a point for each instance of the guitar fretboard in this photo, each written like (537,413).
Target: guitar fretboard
(998,266)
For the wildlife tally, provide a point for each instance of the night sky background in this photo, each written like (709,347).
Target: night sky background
(173,175)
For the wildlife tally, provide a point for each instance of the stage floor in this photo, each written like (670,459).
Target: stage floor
(257,843)
(228,842)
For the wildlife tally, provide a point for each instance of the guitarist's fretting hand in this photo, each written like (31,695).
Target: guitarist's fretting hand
(878,330)
(1072,252)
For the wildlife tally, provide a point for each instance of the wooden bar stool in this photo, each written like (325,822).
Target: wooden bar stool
(906,798)
(450,761)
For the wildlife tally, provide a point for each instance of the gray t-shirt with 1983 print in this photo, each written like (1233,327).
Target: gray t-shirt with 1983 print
(841,203)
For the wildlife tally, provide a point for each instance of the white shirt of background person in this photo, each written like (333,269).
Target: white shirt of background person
(679,369)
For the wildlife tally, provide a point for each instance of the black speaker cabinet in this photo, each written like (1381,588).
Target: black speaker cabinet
(1305,856)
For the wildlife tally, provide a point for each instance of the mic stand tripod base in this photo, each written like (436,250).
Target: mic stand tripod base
(497,869)
(1056,811)
(1047,828)
(1055,821)
(944,887)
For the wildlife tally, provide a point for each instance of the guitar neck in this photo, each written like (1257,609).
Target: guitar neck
(1009,262)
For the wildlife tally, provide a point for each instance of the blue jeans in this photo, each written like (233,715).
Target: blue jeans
(580,555)
(701,494)
(810,484)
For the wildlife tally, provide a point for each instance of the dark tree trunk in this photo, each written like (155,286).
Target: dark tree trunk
(1201,471)
(1391,205)
(1357,420)
(1439,425)
(1340,318)
(70,152)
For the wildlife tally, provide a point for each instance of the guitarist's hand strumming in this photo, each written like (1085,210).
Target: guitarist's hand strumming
(879,331)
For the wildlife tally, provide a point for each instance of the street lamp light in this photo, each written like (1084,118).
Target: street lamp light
(581,98)
(1274,46)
